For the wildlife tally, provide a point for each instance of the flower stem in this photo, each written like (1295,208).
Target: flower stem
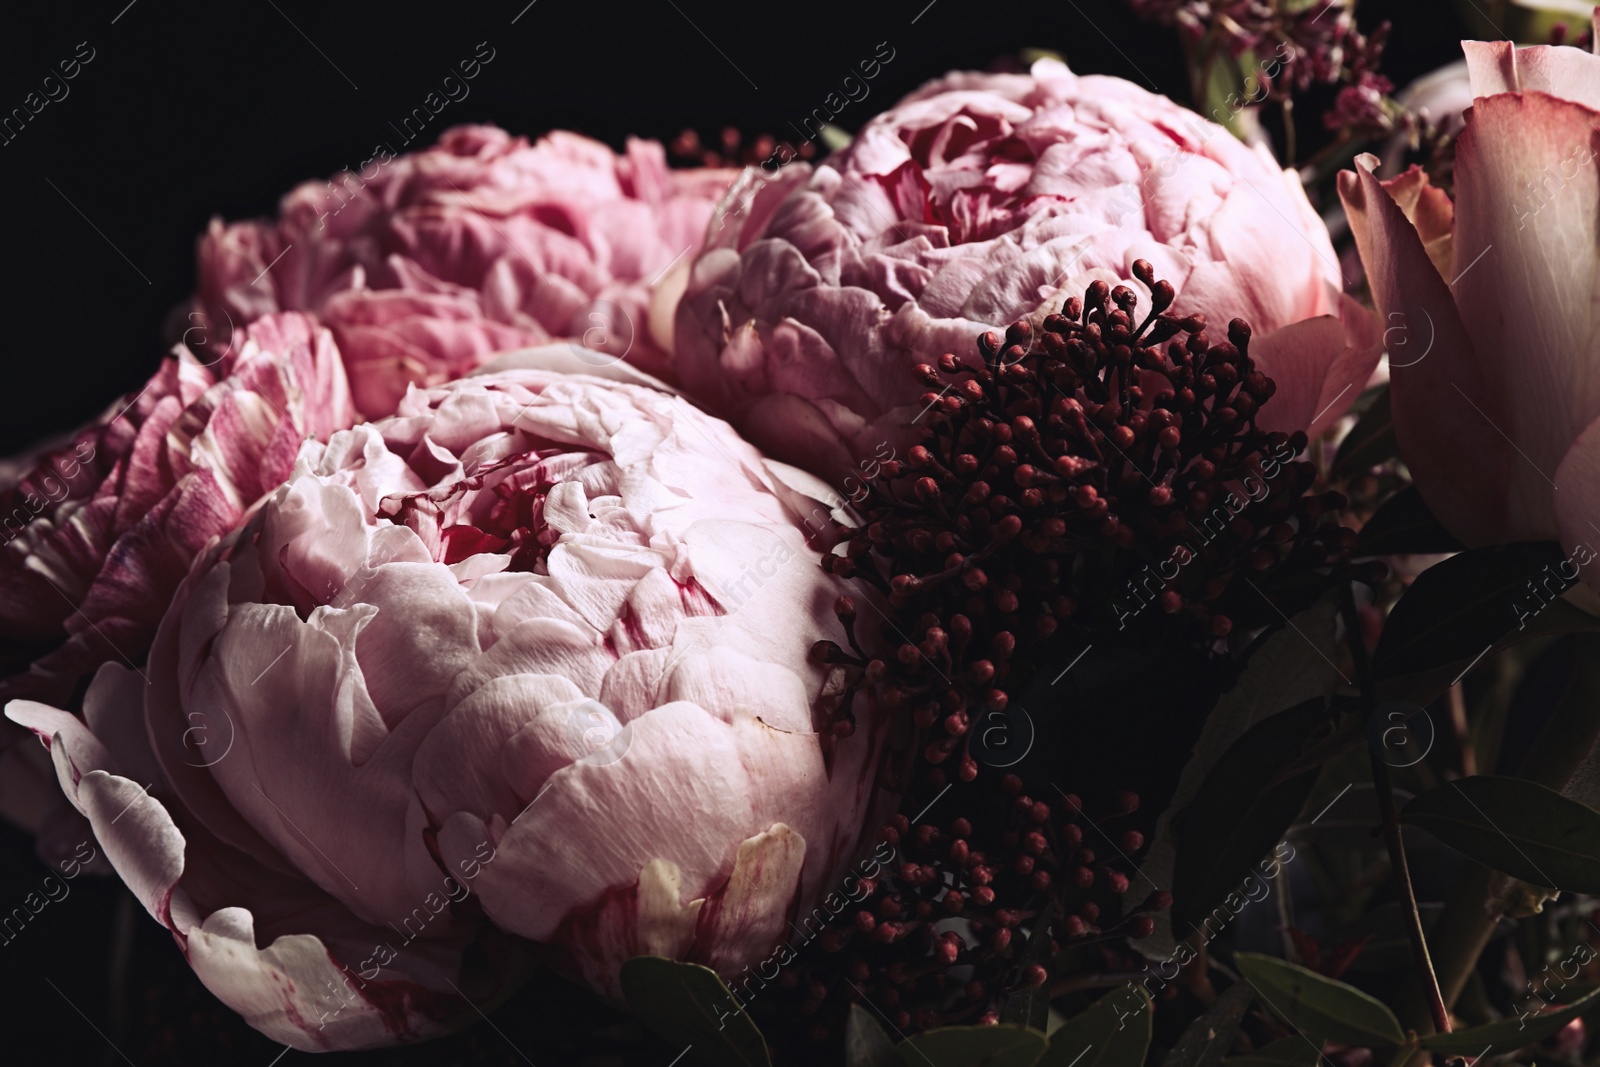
(1465,926)
(1383,784)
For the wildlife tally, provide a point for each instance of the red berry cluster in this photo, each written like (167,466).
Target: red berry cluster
(1108,481)
(949,932)
(1104,481)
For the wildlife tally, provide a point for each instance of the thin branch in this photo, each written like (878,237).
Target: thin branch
(1384,787)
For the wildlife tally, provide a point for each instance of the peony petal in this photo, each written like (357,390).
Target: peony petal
(311,990)
(476,734)
(685,791)
(748,918)
(1319,366)
(730,684)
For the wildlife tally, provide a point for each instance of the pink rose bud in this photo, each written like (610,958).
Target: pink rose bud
(1490,310)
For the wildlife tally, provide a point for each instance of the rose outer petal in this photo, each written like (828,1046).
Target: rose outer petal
(1441,394)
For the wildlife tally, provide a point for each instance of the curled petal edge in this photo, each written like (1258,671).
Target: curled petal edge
(1501,67)
(280,989)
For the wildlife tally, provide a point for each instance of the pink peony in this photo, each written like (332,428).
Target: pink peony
(981,199)
(426,264)
(96,533)
(1496,399)
(543,634)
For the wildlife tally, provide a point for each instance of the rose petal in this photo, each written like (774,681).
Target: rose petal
(1441,395)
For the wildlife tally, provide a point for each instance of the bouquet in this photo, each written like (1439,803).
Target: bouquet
(1064,573)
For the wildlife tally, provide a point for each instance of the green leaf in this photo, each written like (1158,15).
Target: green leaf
(1207,1039)
(1402,525)
(865,1043)
(687,1005)
(1226,95)
(1421,687)
(1458,608)
(1371,440)
(1516,826)
(1236,818)
(1292,666)
(1323,1009)
(1510,1034)
(975,1046)
(1289,1052)
(1114,1031)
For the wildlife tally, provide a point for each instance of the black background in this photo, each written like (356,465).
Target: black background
(191,110)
